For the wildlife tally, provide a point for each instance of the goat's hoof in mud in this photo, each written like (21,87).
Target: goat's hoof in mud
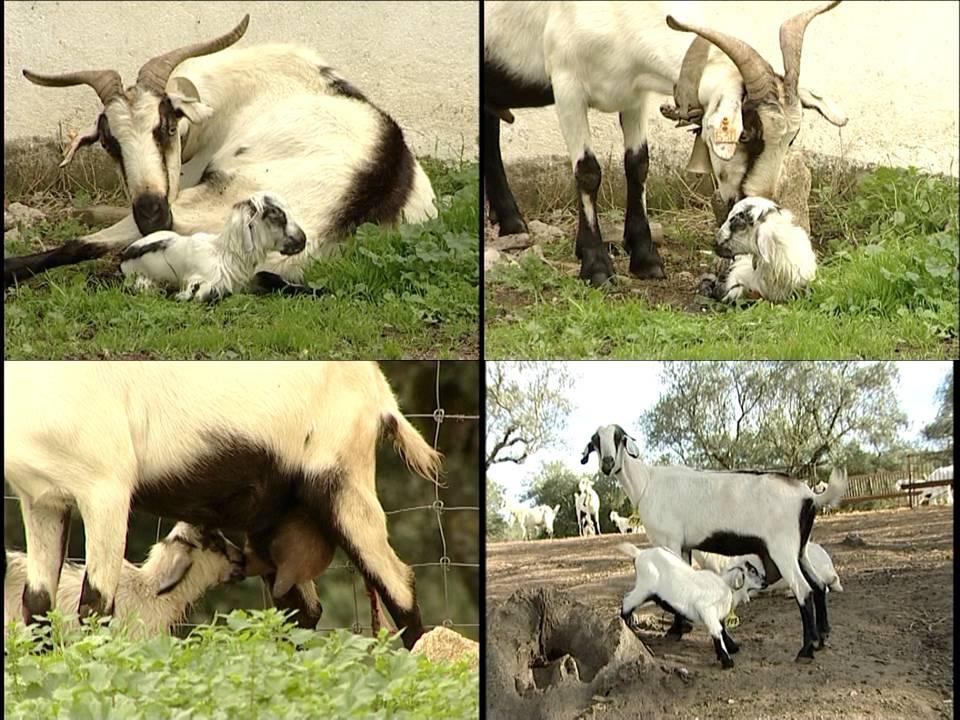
(647,266)
(509,225)
(806,654)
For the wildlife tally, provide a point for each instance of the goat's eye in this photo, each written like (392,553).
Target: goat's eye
(172,130)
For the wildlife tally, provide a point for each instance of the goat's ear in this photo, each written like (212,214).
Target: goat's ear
(586,453)
(171,576)
(631,446)
(765,243)
(246,236)
(186,102)
(723,127)
(738,579)
(87,137)
(830,111)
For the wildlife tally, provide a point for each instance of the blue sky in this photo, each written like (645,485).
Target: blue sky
(618,392)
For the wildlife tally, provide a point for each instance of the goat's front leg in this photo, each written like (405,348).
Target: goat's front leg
(680,624)
(46,529)
(104,516)
(645,261)
(595,263)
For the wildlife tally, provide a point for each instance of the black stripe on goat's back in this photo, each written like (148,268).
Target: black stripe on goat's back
(381,187)
(134,251)
(341,86)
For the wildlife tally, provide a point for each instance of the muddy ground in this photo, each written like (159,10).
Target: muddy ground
(890,652)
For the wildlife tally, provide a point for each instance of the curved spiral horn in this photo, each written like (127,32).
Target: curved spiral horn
(155,73)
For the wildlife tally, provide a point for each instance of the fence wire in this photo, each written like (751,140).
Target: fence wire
(437,508)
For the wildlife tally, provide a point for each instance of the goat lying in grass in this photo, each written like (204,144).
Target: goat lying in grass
(772,257)
(178,570)
(207,267)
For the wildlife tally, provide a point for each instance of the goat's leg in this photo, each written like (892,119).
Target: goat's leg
(88,247)
(359,527)
(720,637)
(819,600)
(787,564)
(645,261)
(503,206)
(303,598)
(595,263)
(680,624)
(47,527)
(104,514)
(596,518)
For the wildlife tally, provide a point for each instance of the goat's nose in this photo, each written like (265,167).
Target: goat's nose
(294,243)
(151,211)
(606,465)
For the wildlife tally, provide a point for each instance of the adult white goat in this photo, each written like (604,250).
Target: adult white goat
(529,519)
(614,56)
(771,256)
(270,117)
(727,512)
(238,446)
(207,267)
(178,571)
(587,502)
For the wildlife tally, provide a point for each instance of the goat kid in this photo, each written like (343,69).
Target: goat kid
(150,599)
(771,255)
(728,512)
(697,595)
(208,267)
(238,446)
(623,524)
(615,57)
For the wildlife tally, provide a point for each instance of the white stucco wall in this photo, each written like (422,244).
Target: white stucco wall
(892,66)
(417,60)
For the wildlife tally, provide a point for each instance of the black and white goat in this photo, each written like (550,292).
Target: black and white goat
(152,598)
(727,512)
(771,256)
(208,267)
(697,595)
(239,446)
(613,57)
(234,121)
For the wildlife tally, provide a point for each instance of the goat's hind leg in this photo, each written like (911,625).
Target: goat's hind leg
(47,527)
(104,516)
(819,592)
(503,206)
(645,260)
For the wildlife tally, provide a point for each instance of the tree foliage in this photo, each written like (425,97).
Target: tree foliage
(496,504)
(787,415)
(940,430)
(526,406)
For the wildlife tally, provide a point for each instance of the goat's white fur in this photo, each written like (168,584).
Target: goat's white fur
(529,519)
(819,559)
(587,502)
(681,508)
(773,258)
(151,598)
(699,595)
(623,524)
(206,267)
(98,431)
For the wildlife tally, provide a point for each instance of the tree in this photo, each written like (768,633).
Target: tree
(786,415)
(555,484)
(496,502)
(526,405)
(940,430)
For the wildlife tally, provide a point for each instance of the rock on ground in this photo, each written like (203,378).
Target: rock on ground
(444,645)
(22,215)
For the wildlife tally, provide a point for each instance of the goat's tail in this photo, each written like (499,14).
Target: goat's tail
(410,445)
(421,203)
(629,549)
(836,489)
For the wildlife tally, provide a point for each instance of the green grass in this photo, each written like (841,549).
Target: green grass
(253,666)
(405,292)
(886,288)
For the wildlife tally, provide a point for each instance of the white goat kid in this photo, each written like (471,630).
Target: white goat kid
(152,598)
(208,267)
(730,512)
(235,121)
(623,524)
(587,503)
(615,57)
(698,595)
(771,256)
(239,446)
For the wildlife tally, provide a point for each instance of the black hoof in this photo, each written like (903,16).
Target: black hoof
(599,272)
(512,226)
(805,654)
(822,644)
(732,648)
(647,269)
(727,663)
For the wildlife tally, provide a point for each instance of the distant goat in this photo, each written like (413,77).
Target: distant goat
(178,570)
(623,524)
(207,267)
(587,503)
(529,519)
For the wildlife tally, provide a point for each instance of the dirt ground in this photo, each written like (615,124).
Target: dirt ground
(890,653)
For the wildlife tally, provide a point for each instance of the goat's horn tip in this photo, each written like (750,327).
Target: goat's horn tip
(673,24)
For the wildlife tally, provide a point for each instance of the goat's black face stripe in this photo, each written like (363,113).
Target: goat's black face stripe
(754,144)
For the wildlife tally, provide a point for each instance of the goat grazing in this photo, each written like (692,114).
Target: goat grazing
(151,598)
(234,121)
(727,512)
(587,503)
(238,446)
(623,524)
(698,595)
(771,255)
(207,267)
(614,56)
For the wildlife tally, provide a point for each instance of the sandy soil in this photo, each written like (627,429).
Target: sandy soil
(889,654)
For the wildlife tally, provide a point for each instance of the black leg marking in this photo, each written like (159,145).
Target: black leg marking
(265,282)
(92,600)
(20,268)
(722,656)
(503,206)
(809,630)
(731,644)
(645,261)
(35,604)
(595,263)
(820,606)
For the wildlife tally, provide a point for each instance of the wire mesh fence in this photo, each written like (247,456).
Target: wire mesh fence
(437,510)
